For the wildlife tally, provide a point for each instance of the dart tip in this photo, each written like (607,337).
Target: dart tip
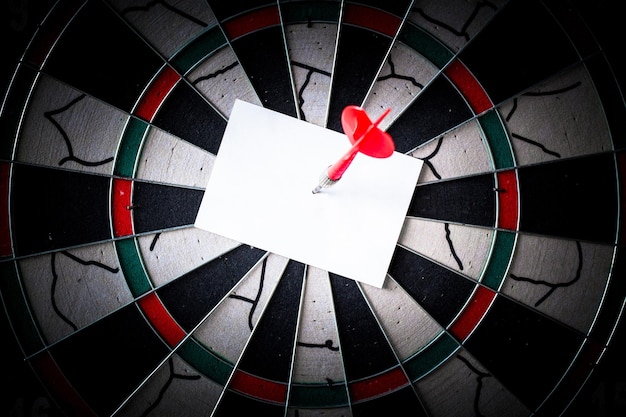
(325,182)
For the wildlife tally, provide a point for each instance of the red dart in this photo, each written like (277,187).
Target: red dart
(365,137)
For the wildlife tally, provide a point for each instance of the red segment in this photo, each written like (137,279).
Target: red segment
(161,320)
(5,233)
(59,387)
(50,31)
(508,198)
(250,22)
(621,169)
(121,207)
(160,87)
(258,387)
(471,89)
(372,19)
(380,384)
(473,312)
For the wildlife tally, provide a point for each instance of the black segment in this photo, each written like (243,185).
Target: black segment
(262,55)
(613,299)
(523,349)
(364,348)
(521,46)
(611,96)
(270,349)
(359,56)
(202,288)
(185,114)
(470,200)
(271,80)
(53,209)
(439,108)
(440,291)
(157,207)
(113,356)
(574,198)
(99,54)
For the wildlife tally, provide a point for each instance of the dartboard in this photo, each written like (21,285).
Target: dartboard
(502,294)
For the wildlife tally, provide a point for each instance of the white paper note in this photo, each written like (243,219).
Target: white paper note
(260,193)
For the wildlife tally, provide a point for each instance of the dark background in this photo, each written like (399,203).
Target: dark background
(21,393)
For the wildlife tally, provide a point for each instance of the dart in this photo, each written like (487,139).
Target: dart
(365,137)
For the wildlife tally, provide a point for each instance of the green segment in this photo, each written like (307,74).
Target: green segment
(302,395)
(204,361)
(15,303)
(426,45)
(318,395)
(129,148)
(310,11)
(134,272)
(198,49)
(499,262)
(497,139)
(430,357)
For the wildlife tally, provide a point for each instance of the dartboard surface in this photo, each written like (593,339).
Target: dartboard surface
(506,285)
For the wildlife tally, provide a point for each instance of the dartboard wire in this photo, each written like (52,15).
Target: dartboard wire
(439,263)
(467,121)
(479,283)
(476,117)
(235,368)
(295,344)
(518,233)
(116,238)
(230,45)
(111,173)
(517,167)
(425,311)
(31,316)
(391,46)
(447,328)
(41,72)
(399,361)
(294,90)
(142,261)
(152,291)
(111,239)
(144,142)
(190,334)
(441,70)
(614,328)
(166,61)
(336,325)
(332,70)
(622,310)
(6,101)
